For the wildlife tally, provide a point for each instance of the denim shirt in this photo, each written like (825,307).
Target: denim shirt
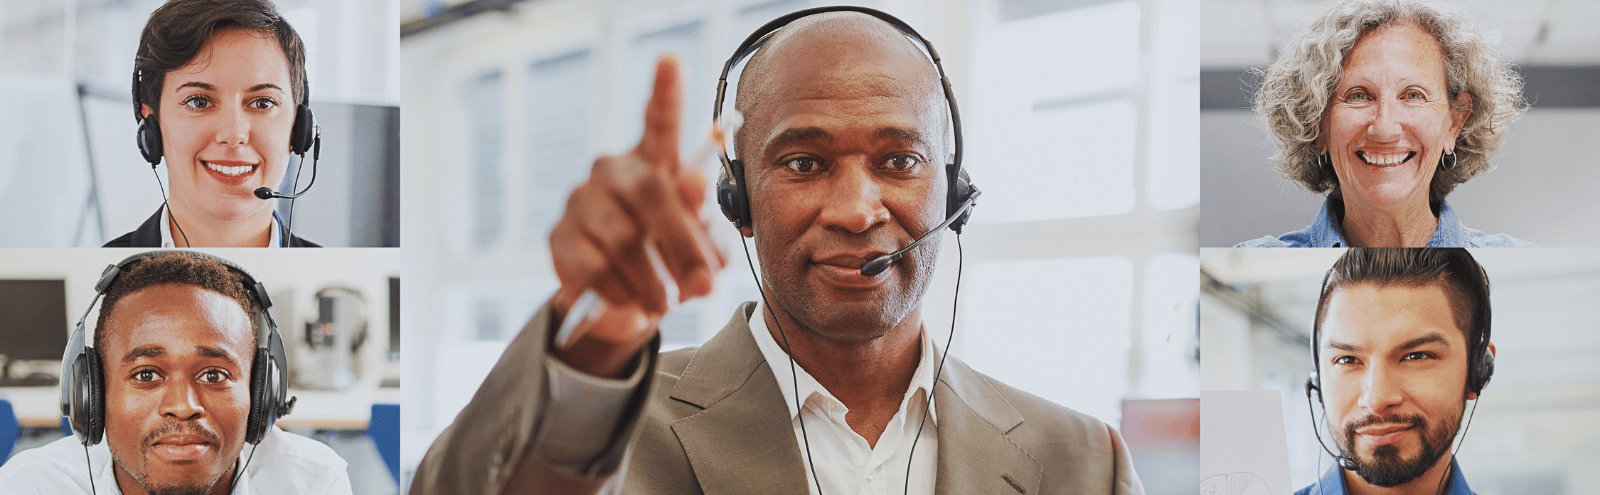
(1324,232)
(1333,482)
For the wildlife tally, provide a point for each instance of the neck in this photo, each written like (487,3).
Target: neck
(1430,483)
(130,486)
(870,377)
(1407,225)
(190,229)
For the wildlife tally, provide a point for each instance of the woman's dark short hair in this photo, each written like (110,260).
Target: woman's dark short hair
(178,29)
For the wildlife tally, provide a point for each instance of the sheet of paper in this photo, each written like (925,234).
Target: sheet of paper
(1243,448)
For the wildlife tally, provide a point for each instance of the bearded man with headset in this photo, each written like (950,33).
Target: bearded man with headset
(1400,344)
(823,386)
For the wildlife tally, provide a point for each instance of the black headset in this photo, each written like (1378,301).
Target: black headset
(83,381)
(301,137)
(732,194)
(1480,362)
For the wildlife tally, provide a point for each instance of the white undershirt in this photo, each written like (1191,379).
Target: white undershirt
(166,231)
(845,462)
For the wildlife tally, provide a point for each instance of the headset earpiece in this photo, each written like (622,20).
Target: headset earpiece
(1480,376)
(149,138)
(83,389)
(304,133)
(731,195)
(959,190)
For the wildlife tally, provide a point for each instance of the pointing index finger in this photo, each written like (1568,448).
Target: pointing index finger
(659,145)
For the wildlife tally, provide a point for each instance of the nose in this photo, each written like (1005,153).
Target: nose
(1380,390)
(180,400)
(1385,125)
(233,127)
(854,200)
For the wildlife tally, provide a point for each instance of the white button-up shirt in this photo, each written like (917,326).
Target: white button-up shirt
(845,463)
(284,463)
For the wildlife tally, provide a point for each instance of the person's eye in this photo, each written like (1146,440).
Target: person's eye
(804,164)
(213,376)
(145,376)
(1415,95)
(263,103)
(1417,356)
(1345,360)
(197,102)
(902,163)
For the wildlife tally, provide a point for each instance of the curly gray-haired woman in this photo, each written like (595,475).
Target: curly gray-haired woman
(1387,105)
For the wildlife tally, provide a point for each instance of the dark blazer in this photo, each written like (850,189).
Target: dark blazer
(149,235)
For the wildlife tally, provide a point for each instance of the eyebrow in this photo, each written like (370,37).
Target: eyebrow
(803,134)
(1430,338)
(209,87)
(158,351)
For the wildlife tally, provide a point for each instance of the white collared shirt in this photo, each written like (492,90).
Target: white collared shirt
(845,463)
(284,463)
(166,232)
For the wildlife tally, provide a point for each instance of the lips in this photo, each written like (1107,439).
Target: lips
(182,447)
(1377,159)
(844,270)
(1383,433)
(229,172)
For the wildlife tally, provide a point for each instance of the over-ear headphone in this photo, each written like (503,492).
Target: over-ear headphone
(301,136)
(83,379)
(732,193)
(1480,362)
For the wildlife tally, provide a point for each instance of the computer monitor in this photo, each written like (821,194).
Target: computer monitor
(33,319)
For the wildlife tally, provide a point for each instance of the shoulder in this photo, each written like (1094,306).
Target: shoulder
(1476,238)
(290,463)
(125,241)
(1264,241)
(1052,422)
(56,467)
(297,241)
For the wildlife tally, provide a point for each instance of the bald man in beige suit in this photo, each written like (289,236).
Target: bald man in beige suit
(843,154)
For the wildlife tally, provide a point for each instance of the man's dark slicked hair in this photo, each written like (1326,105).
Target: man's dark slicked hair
(1462,278)
(178,30)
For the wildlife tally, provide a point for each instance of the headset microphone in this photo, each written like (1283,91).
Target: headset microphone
(316,153)
(882,262)
(1348,463)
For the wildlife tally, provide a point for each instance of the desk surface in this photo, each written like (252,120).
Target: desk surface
(40,407)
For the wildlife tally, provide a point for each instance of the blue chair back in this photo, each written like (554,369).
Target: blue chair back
(9,429)
(384,428)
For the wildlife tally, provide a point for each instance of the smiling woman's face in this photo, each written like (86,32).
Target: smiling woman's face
(1390,119)
(225,123)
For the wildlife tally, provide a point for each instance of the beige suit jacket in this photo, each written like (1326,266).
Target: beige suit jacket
(716,422)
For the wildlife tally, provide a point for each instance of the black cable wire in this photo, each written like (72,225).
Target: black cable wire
(240,474)
(1459,441)
(168,209)
(793,374)
(90,466)
(955,305)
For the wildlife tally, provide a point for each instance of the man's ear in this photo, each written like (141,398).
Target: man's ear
(145,110)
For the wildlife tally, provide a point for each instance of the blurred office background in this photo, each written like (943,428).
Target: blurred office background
(1545,169)
(1536,423)
(1080,123)
(71,175)
(335,309)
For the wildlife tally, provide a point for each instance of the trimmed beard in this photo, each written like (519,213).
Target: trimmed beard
(1386,468)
